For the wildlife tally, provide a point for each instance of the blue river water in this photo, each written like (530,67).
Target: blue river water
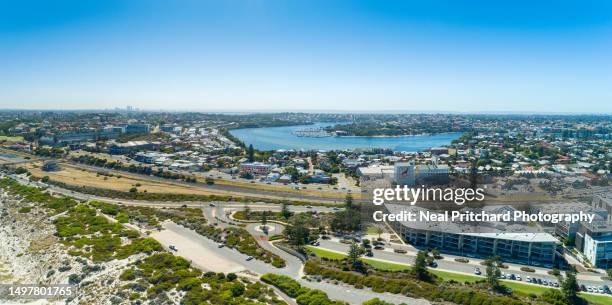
(274,138)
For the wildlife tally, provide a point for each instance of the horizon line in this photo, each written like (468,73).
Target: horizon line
(311,111)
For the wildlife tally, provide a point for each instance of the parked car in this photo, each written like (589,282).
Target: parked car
(379,248)
(249,258)
(400,251)
(477,271)
(173,248)
(220,245)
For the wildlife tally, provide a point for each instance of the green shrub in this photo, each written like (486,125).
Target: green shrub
(25,210)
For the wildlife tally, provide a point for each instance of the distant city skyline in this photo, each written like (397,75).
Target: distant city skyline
(313,56)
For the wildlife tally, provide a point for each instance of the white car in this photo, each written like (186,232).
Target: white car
(518,277)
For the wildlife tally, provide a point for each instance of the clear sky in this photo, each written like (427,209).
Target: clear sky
(529,56)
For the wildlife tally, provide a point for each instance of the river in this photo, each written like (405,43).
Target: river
(274,138)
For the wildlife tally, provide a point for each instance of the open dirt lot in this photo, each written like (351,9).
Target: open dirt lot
(123,182)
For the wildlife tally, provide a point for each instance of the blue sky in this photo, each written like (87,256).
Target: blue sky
(528,56)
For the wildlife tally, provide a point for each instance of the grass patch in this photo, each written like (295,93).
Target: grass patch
(385,266)
(459,277)
(525,288)
(380,265)
(325,253)
(596,299)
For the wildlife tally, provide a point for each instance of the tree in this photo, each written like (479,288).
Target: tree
(297,234)
(354,253)
(348,200)
(285,213)
(237,289)
(420,266)
(346,221)
(609,272)
(247,212)
(435,253)
(251,153)
(264,218)
(473,174)
(379,231)
(493,273)
(569,287)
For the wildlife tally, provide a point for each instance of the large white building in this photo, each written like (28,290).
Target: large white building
(403,173)
(514,244)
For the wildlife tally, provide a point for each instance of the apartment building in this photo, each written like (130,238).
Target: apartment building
(594,240)
(531,248)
